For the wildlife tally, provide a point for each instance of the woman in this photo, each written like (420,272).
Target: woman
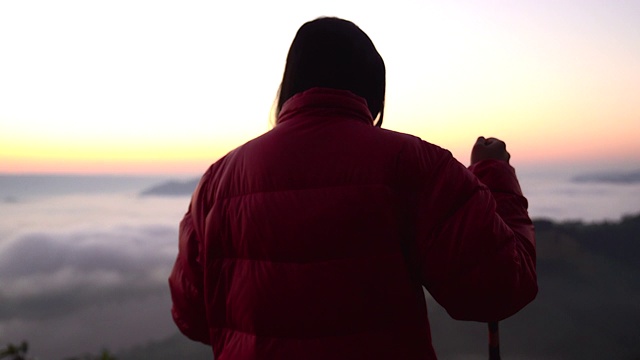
(314,240)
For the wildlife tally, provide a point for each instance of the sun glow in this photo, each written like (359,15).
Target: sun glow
(141,86)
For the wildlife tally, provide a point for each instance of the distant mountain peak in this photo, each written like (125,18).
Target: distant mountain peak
(172,188)
(613,177)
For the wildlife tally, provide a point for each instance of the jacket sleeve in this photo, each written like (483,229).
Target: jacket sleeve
(475,242)
(186,283)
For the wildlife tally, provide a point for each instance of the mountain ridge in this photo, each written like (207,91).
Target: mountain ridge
(588,306)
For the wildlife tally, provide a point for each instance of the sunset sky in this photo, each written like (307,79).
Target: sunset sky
(167,87)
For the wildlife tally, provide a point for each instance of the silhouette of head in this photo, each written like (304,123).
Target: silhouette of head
(334,53)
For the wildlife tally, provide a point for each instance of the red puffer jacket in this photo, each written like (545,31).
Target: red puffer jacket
(313,241)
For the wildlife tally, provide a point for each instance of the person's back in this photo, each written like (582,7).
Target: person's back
(314,240)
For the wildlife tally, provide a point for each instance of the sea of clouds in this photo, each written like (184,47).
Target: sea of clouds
(85,270)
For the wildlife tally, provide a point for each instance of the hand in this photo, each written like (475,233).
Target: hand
(490,148)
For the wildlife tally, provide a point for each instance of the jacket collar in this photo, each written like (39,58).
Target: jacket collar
(326,102)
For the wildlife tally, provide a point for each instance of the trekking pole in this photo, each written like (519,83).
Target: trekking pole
(494,341)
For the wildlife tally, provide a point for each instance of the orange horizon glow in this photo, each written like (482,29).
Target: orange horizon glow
(533,152)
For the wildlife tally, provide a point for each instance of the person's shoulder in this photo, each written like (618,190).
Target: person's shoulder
(231,156)
(413,144)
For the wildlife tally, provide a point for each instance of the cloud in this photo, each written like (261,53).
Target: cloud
(83,272)
(50,275)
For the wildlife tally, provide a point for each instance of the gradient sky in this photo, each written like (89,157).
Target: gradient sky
(170,86)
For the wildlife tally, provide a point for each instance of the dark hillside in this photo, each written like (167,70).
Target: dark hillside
(618,241)
(588,305)
(174,347)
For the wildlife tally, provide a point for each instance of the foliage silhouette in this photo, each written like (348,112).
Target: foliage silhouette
(15,352)
(19,352)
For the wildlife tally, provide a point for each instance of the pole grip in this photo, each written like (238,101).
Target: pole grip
(494,341)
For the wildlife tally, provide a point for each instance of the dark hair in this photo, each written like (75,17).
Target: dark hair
(334,53)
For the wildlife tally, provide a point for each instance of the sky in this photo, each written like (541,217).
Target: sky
(168,87)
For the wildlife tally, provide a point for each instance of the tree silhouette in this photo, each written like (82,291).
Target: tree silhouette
(19,352)
(15,352)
